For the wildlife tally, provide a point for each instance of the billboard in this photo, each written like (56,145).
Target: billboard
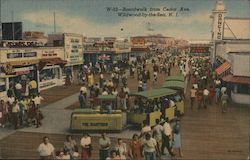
(199,49)
(11,29)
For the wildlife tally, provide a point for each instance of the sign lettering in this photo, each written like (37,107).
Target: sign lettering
(219,34)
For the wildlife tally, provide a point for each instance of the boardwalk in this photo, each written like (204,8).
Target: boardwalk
(207,134)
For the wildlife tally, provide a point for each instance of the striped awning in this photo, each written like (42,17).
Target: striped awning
(223,68)
(237,79)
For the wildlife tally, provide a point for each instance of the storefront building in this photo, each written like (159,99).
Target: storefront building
(202,48)
(73,51)
(17,64)
(25,64)
(231,52)
(51,67)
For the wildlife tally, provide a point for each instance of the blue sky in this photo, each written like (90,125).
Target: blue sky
(90,17)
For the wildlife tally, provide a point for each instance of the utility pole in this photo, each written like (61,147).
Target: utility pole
(1,20)
(13,29)
(54,22)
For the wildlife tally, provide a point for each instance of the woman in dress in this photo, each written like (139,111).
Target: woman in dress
(86,146)
(121,148)
(177,137)
(135,148)
(69,146)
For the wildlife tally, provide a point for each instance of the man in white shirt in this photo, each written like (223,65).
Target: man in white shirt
(149,147)
(84,91)
(145,129)
(166,138)
(37,100)
(11,100)
(18,87)
(157,133)
(15,114)
(205,94)
(46,149)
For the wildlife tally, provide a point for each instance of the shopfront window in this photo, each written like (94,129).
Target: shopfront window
(2,85)
(49,74)
(243,89)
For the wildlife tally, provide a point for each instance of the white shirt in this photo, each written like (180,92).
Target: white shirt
(101,76)
(149,145)
(145,129)
(115,93)
(157,131)
(85,141)
(11,100)
(18,86)
(122,149)
(37,100)
(217,82)
(126,89)
(195,86)
(104,93)
(223,89)
(205,92)
(167,129)
(45,150)
(171,103)
(83,89)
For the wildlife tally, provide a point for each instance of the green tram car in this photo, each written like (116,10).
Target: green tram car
(144,105)
(177,84)
(99,118)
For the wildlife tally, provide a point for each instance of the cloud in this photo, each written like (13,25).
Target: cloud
(127,27)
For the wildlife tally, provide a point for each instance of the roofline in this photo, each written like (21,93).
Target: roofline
(243,52)
(237,18)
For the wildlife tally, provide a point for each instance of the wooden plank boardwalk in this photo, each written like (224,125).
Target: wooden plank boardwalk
(207,134)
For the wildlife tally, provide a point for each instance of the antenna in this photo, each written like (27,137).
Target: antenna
(1,20)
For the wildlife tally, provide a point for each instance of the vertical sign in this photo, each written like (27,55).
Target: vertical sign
(219,34)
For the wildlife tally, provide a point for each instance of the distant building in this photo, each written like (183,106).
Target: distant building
(43,64)
(200,48)
(231,52)
(35,36)
(107,51)
(73,50)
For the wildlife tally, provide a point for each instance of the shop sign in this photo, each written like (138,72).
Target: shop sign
(23,70)
(30,54)
(219,34)
(14,55)
(51,53)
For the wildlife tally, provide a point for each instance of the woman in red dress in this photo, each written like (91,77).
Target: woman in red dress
(86,146)
(135,148)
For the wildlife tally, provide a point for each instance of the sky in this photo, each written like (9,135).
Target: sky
(92,18)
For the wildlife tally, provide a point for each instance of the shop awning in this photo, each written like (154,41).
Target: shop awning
(237,79)
(51,61)
(222,68)
(23,63)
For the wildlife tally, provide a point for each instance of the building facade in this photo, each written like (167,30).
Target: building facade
(231,52)
(42,64)
(73,51)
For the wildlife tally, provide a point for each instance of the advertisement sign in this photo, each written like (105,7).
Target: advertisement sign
(199,49)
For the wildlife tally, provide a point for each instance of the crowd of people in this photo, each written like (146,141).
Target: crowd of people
(22,106)
(116,82)
(207,87)
(151,143)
